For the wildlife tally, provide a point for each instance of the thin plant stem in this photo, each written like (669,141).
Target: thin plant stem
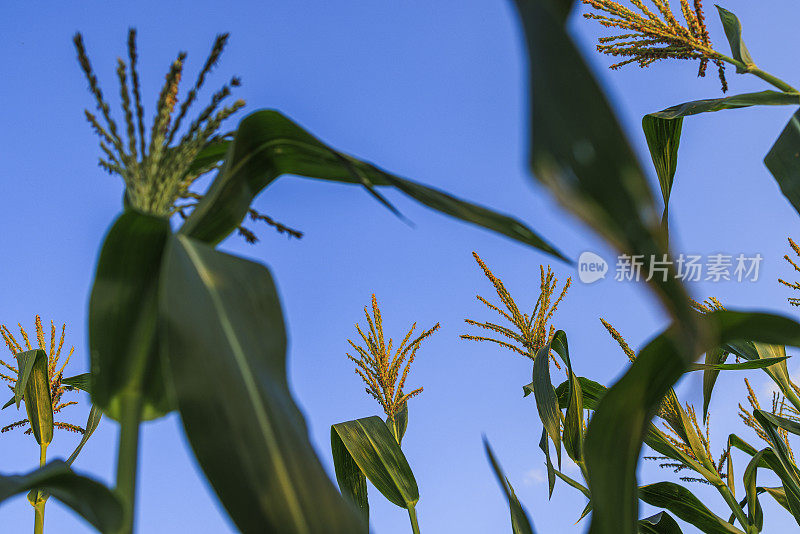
(128,455)
(752,69)
(412,514)
(38,524)
(38,508)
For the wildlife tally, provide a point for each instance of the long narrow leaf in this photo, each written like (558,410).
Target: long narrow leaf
(225,343)
(377,454)
(733,31)
(91,500)
(351,480)
(123,316)
(268,144)
(546,400)
(573,420)
(713,357)
(660,523)
(745,100)
(685,505)
(742,366)
(783,161)
(520,524)
(579,151)
(663,138)
(33,383)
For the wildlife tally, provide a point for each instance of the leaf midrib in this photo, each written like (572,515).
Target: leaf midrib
(250,386)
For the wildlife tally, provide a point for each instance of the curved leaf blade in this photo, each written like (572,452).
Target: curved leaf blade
(352,482)
(91,500)
(82,381)
(123,317)
(573,420)
(660,523)
(268,144)
(378,455)
(783,161)
(520,524)
(713,357)
(225,343)
(663,139)
(579,151)
(33,383)
(744,100)
(741,366)
(546,400)
(755,515)
(733,31)
(685,505)
(95,414)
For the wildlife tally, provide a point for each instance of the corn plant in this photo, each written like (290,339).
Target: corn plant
(370,448)
(38,380)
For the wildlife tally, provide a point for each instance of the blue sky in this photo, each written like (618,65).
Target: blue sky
(436,92)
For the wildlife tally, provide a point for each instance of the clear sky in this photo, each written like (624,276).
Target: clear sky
(436,92)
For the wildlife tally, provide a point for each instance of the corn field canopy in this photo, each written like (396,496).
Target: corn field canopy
(318,269)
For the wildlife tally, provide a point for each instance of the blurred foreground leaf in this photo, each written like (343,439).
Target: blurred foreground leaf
(91,500)
(225,342)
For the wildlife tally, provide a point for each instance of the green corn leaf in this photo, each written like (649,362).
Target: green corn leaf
(744,100)
(91,500)
(780,461)
(575,484)
(544,444)
(546,400)
(663,138)
(585,512)
(787,473)
(662,130)
(592,392)
(621,420)
(743,349)
(82,382)
(738,443)
(268,144)
(683,503)
(520,524)
(399,425)
(713,357)
(374,449)
(782,422)
(573,420)
(741,366)
(95,414)
(123,335)
(33,383)
(579,151)
(351,480)
(755,515)
(778,372)
(91,425)
(783,161)
(733,31)
(779,494)
(660,523)
(225,343)
(210,157)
